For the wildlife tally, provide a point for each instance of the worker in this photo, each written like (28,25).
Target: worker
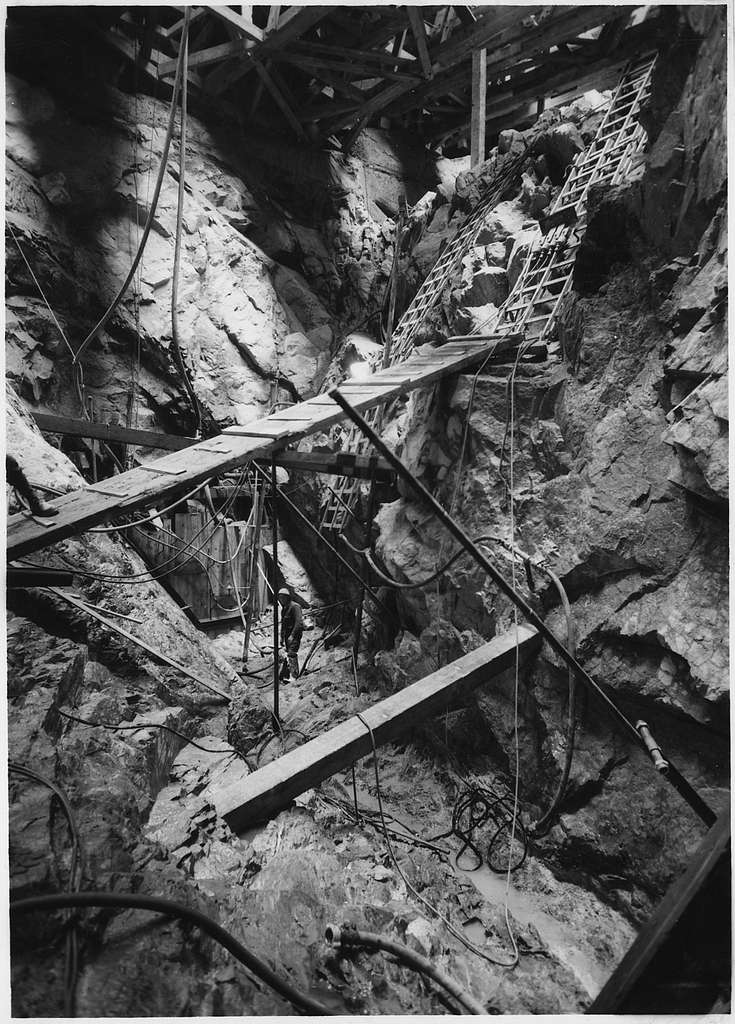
(16,478)
(292,628)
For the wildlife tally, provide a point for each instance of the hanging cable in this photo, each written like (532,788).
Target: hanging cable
(154,515)
(454,931)
(184,56)
(171,908)
(76,869)
(516,671)
(545,821)
(101,323)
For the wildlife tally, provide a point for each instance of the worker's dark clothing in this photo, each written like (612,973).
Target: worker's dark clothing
(17,479)
(292,628)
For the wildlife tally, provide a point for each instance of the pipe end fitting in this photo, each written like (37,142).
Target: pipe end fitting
(333,934)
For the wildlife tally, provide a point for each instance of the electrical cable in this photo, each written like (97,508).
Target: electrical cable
(40,289)
(184,57)
(516,671)
(172,908)
(76,871)
(543,824)
(454,931)
(144,238)
(142,726)
(153,515)
(350,936)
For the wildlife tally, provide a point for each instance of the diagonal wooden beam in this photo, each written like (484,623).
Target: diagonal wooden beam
(292,25)
(280,100)
(416,21)
(211,55)
(494,26)
(237,21)
(177,26)
(513,44)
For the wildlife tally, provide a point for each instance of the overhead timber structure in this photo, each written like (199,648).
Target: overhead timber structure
(324,72)
(180,471)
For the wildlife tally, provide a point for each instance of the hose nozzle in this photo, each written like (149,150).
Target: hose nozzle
(659,761)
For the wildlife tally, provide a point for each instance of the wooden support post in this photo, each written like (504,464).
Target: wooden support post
(258,506)
(479,100)
(361,602)
(416,20)
(271,788)
(280,101)
(274,527)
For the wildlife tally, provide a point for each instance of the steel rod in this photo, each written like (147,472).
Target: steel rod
(695,801)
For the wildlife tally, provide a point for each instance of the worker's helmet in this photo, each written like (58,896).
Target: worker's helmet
(284,592)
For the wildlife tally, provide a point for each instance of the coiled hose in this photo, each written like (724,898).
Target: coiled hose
(349,936)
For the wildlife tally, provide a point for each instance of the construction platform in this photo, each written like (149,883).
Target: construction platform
(270,789)
(170,476)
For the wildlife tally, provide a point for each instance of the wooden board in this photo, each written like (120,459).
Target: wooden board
(659,927)
(70,427)
(271,788)
(183,470)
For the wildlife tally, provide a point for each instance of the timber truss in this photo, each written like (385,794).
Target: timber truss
(325,72)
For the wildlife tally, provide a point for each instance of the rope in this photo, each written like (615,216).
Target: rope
(183,56)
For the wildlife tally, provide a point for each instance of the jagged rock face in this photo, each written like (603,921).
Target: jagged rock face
(619,485)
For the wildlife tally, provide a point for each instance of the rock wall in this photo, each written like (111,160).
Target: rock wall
(619,486)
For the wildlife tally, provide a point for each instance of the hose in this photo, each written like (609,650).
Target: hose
(544,822)
(349,936)
(177,244)
(171,908)
(146,229)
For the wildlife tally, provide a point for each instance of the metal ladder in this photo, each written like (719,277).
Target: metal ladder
(536,299)
(343,497)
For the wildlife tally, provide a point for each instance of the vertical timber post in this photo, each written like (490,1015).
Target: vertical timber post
(479,97)
(276,666)
(366,542)
(258,505)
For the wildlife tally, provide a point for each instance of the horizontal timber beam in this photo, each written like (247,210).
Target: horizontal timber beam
(181,471)
(336,464)
(109,432)
(271,788)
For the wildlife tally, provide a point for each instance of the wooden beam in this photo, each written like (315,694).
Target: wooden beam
(293,24)
(212,55)
(273,15)
(181,471)
(237,21)
(479,101)
(196,12)
(70,427)
(505,49)
(272,788)
(657,929)
(280,101)
(336,464)
(416,21)
(492,27)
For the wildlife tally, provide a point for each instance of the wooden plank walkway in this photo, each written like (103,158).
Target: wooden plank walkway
(271,788)
(173,474)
